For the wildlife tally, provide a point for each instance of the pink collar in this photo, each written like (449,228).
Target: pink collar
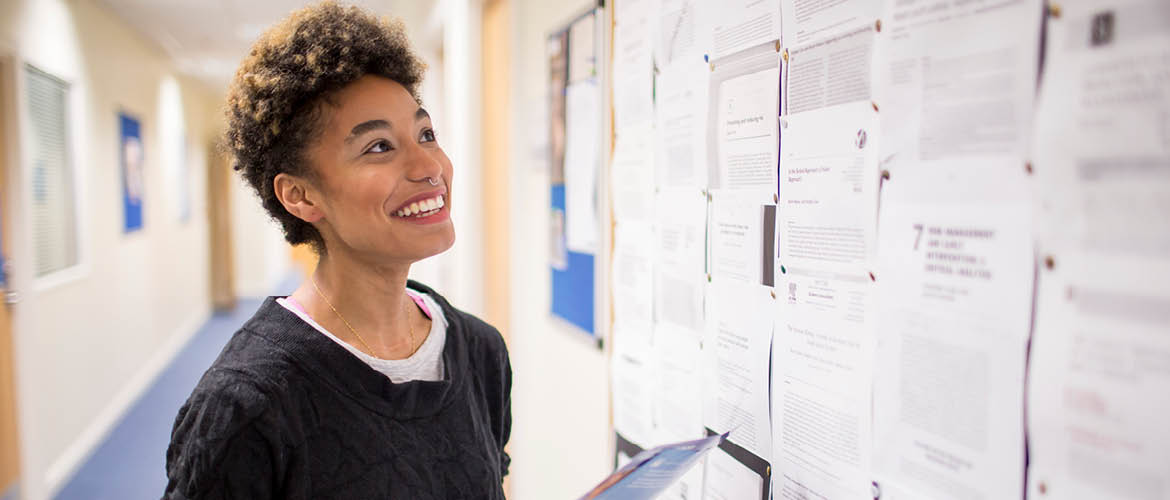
(416,297)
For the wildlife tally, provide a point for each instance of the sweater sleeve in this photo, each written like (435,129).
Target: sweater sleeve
(497,368)
(505,420)
(221,445)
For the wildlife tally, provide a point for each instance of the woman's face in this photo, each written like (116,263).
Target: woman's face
(382,177)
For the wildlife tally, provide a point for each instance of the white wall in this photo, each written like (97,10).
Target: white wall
(461,275)
(561,441)
(261,258)
(84,353)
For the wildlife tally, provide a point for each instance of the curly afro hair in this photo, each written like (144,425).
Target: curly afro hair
(275,101)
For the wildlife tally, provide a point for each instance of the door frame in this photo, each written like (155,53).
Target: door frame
(10,458)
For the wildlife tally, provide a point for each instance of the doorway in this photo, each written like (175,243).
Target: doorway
(219,231)
(9,437)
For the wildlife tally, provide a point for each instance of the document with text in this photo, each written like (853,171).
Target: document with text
(954,294)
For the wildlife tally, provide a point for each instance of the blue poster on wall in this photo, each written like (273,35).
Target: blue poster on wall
(132,156)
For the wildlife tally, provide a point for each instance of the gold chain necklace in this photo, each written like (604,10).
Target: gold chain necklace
(409,323)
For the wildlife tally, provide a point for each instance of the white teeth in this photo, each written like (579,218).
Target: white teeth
(422,208)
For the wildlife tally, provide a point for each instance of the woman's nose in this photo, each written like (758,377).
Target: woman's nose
(424,165)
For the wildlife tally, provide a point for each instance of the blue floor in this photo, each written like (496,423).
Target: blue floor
(131,463)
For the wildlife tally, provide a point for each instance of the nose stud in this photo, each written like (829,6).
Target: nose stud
(432,181)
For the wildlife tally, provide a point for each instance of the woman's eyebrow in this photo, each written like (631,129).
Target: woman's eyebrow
(366,126)
(421,114)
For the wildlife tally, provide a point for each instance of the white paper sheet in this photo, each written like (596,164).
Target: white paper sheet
(739,237)
(830,72)
(955,84)
(583,49)
(632,278)
(633,388)
(632,175)
(681,125)
(739,24)
(1100,354)
(689,487)
(684,32)
(822,365)
(736,353)
(746,130)
(954,310)
(727,479)
(808,21)
(1102,153)
(634,35)
(1097,393)
(679,272)
(677,367)
(828,189)
(582,148)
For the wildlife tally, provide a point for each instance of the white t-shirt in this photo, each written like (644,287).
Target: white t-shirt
(425,364)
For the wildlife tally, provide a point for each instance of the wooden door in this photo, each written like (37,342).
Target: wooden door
(9,443)
(495,125)
(219,231)
(496,111)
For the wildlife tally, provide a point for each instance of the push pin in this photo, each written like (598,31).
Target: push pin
(712,66)
(875,108)
(877,25)
(1049,262)
(775,198)
(1054,10)
(785,55)
(1028,168)
(885,175)
(773,294)
(777,45)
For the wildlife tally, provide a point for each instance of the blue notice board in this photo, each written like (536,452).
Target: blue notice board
(572,282)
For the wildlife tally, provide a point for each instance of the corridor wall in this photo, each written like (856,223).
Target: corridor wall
(90,338)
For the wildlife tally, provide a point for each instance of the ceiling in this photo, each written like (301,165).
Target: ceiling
(208,38)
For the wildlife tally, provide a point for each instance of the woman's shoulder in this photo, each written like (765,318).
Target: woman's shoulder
(252,370)
(469,326)
(258,353)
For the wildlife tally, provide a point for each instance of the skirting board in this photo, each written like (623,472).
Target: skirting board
(87,442)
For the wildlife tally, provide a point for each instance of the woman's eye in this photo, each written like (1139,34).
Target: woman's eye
(379,147)
(428,135)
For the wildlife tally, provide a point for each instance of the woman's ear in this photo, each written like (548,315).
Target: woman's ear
(293,193)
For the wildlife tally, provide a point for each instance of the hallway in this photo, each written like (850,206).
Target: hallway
(122,226)
(131,462)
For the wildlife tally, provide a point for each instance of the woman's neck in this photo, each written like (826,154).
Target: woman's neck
(371,299)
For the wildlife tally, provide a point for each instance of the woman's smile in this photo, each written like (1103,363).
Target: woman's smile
(425,208)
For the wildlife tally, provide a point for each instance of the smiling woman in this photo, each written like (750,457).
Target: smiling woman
(361,384)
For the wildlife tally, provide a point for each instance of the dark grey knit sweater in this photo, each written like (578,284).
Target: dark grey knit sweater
(285,412)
